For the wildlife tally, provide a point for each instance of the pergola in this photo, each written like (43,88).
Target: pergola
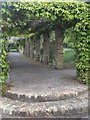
(33,42)
(56,18)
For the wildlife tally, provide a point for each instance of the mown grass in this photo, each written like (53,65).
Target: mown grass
(69,55)
(13,50)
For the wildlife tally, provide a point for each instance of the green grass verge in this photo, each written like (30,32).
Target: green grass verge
(69,56)
(13,50)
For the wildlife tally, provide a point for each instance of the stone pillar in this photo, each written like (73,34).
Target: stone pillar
(37,48)
(25,49)
(32,48)
(46,38)
(28,48)
(59,46)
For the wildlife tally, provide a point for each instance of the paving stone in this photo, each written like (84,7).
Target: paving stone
(51,108)
(42,97)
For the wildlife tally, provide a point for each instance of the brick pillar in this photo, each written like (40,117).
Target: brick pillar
(59,47)
(37,48)
(46,38)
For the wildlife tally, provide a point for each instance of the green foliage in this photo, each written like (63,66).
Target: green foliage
(69,56)
(82,46)
(69,37)
(19,17)
(22,43)
(4,64)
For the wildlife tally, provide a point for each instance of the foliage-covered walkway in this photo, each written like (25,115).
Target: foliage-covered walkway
(40,91)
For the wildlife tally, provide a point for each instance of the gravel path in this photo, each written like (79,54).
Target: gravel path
(30,77)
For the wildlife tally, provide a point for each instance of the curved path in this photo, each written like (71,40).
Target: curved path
(29,76)
(35,82)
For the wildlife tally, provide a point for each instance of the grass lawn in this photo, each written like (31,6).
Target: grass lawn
(69,55)
(13,50)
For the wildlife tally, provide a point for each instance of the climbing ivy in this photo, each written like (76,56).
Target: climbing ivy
(4,65)
(20,17)
(82,47)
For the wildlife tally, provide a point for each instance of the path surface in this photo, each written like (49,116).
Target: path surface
(28,76)
(35,82)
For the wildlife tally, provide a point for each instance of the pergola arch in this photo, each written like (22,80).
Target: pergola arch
(53,16)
